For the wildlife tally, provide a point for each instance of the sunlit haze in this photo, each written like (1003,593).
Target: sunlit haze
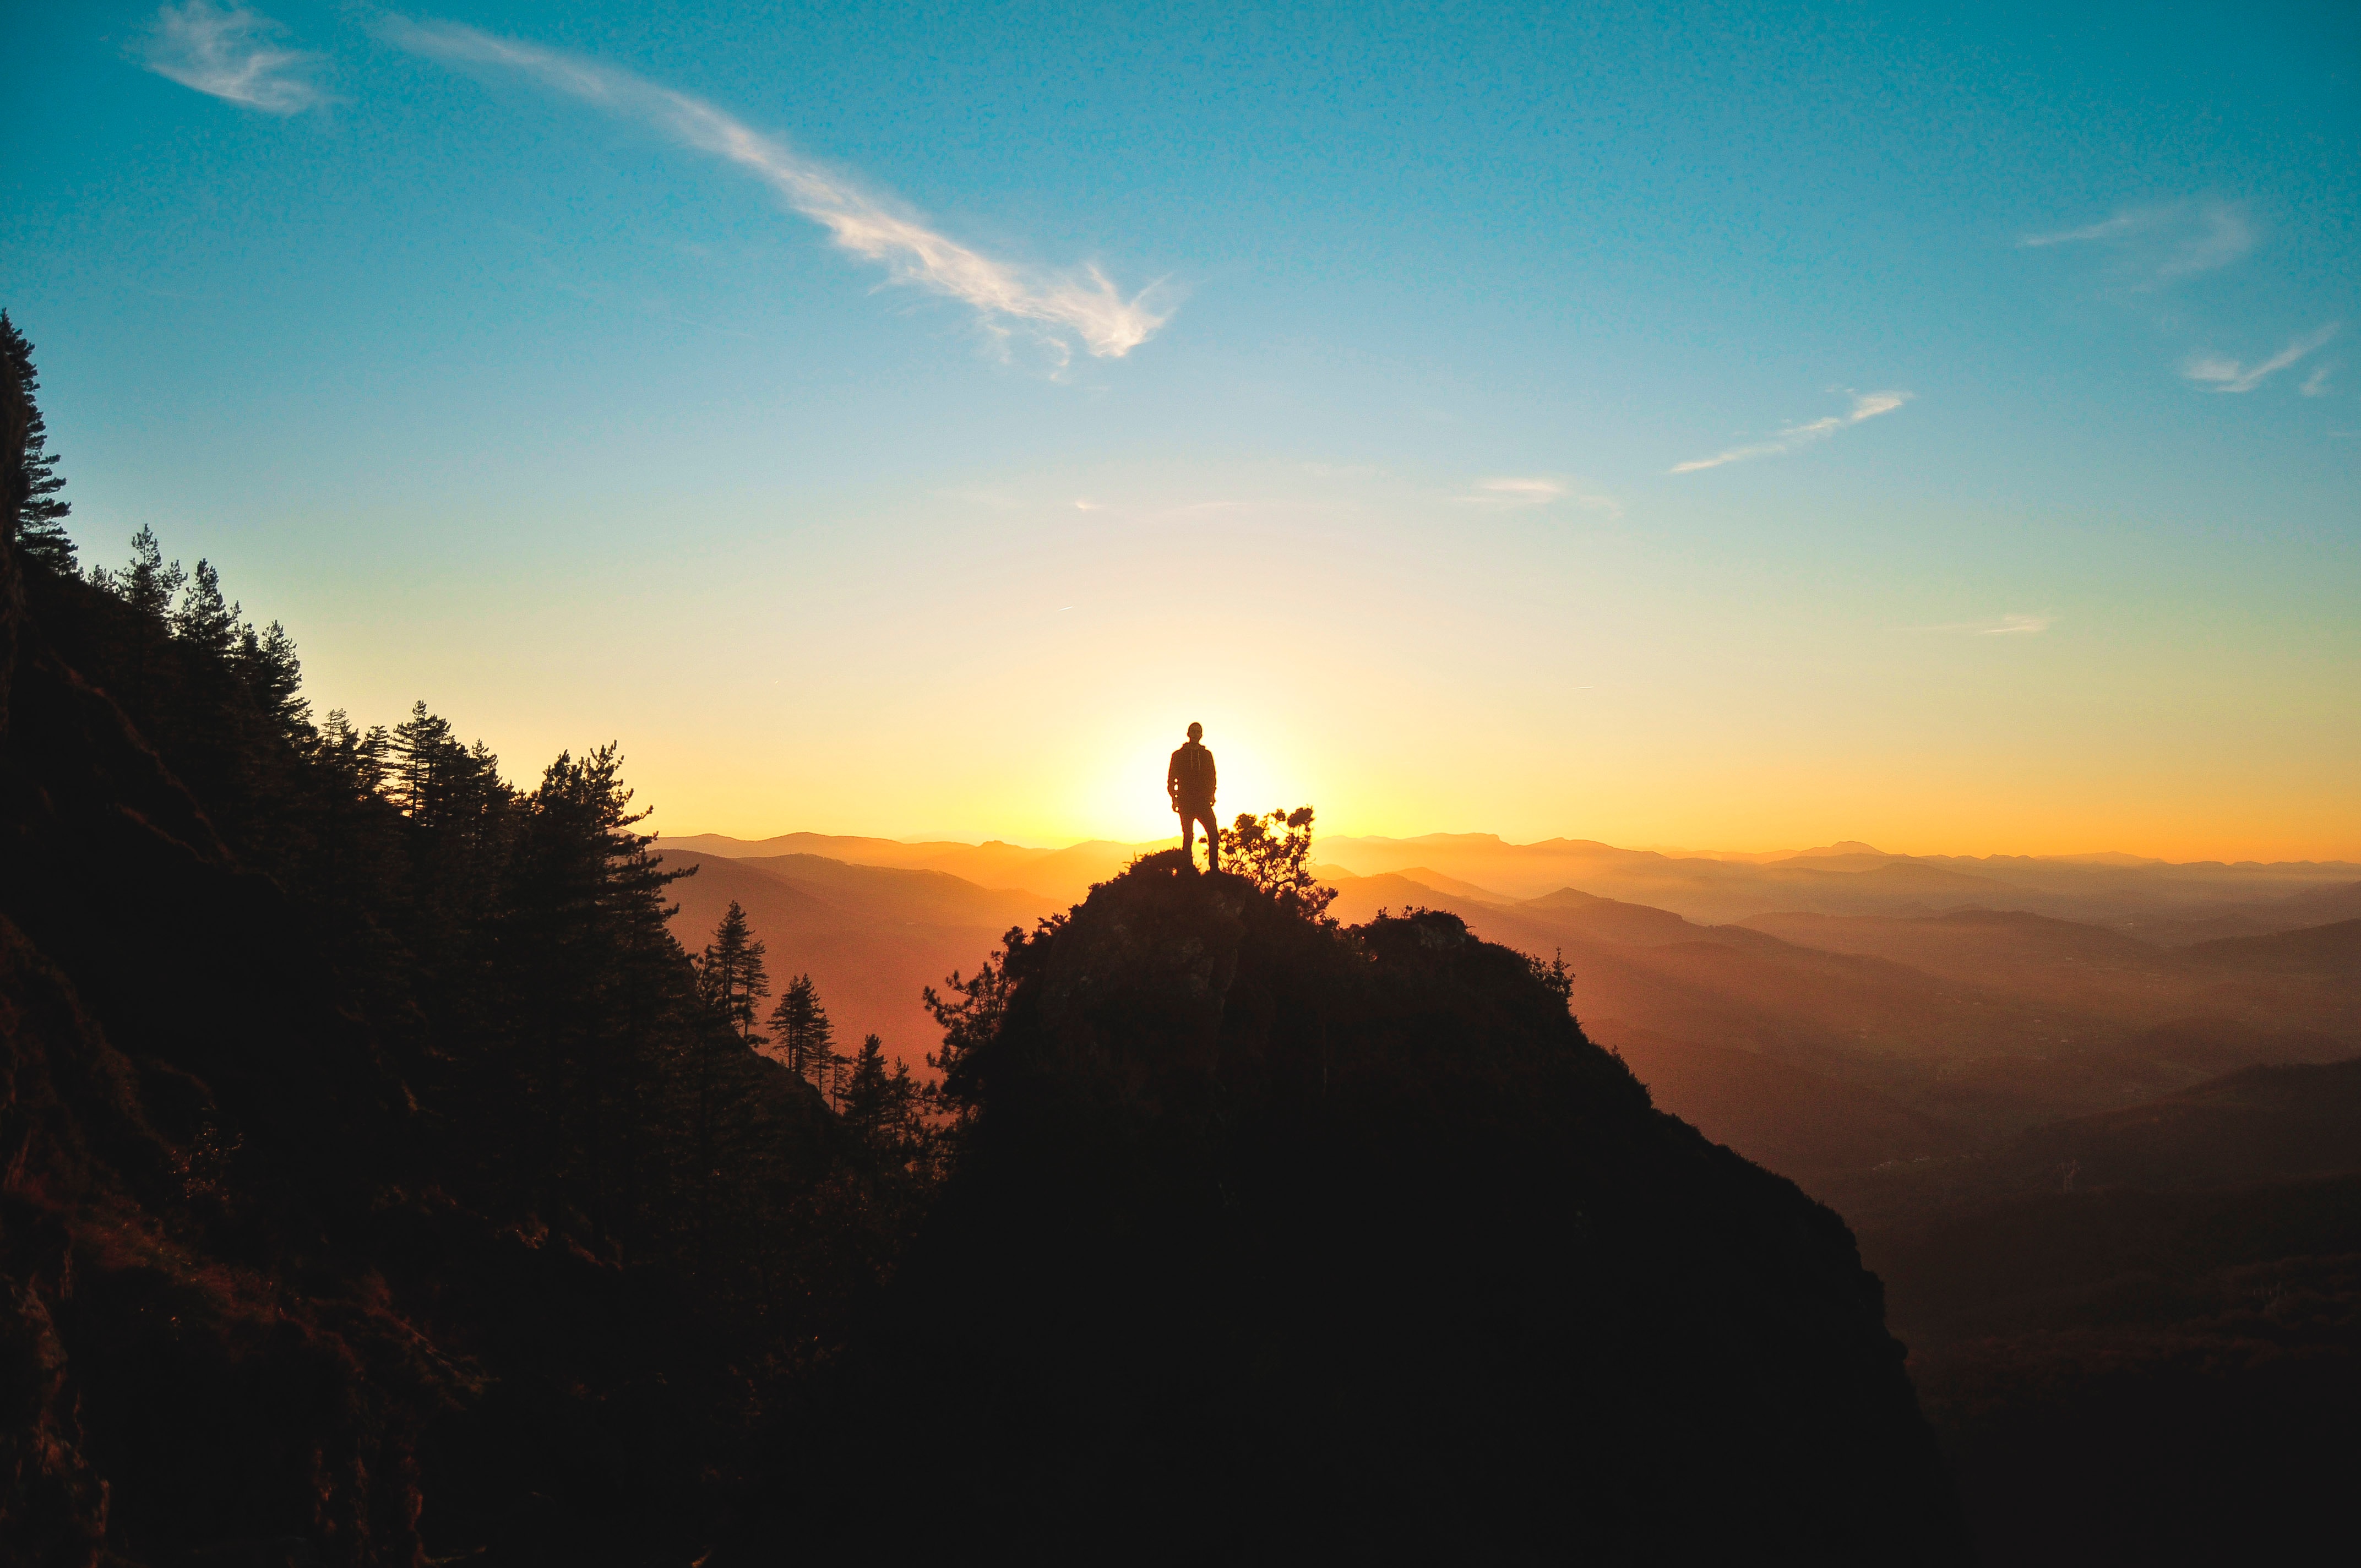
(1930,428)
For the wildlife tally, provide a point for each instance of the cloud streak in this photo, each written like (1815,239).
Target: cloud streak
(2009,625)
(2179,239)
(2219,373)
(228,51)
(1535,492)
(1865,406)
(1084,306)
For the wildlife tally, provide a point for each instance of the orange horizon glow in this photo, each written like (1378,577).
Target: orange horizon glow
(1028,677)
(1147,843)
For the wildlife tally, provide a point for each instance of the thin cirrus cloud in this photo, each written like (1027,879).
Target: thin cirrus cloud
(1865,406)
(1084,306)
(231,53)
(2316,384)
(2008,625)
(2219,373)
(1534,492)
(2165,243)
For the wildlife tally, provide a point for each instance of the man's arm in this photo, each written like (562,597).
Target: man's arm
(1212,779)
(1172,780)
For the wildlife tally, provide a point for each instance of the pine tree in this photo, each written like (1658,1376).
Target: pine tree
(868,1091)
(732,975)
(805,1038)
(582,948)
(147,585)
(40,511)
(205,621)
(267,659)
(421,760)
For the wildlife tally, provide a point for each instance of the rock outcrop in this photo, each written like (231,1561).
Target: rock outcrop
(1272,1238)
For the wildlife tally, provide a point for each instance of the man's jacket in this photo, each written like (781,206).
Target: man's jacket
(1190,777)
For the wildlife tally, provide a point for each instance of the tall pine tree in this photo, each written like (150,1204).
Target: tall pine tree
(40,511)
(805,1039)
(732,975)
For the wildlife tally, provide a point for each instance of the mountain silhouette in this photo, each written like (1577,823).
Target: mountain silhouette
(1276,1238)
(2154,899)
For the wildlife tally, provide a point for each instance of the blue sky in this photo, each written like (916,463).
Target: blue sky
(1734,426)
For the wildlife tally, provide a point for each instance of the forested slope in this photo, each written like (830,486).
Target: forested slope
(381,1177)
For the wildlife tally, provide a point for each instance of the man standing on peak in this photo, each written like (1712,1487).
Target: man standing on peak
(1189,782)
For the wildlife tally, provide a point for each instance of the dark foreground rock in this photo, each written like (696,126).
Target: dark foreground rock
(1276,1239)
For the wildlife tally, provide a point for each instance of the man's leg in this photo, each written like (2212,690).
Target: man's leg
(1188,836)
(1213,838)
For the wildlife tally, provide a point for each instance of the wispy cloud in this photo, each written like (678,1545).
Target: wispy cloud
(1536,491)
(2161,244)
(230,52)
(2219,373)
(1865,406)
(1084,305)
(2009,625)
(1520,493)
(2316,384)
(2122,224)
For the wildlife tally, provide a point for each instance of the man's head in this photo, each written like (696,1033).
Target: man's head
(1196,732)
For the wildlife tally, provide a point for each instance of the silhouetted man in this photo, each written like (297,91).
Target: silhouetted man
(1189,782)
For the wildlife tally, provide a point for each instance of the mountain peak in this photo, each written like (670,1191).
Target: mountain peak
(1212,1136)
(1842,847)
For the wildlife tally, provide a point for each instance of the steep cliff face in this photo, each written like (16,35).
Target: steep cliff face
(1273,1237)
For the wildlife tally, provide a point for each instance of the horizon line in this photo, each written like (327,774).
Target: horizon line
(1840,846)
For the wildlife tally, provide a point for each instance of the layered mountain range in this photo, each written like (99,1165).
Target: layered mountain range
(2094,1120)
(1918,983)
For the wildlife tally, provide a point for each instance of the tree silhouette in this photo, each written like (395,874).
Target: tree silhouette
(733,975)
(39,528)
(805,1040)
(864,1096)
(1274,852)
(204,619)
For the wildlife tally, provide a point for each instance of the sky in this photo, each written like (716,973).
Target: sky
(1733,426)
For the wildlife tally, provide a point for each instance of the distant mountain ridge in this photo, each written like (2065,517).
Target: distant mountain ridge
(1061,876)
(1854,878)
(1994,1018)
(2158,901)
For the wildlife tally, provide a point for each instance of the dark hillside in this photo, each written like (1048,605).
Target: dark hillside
(2331,952)
(2260,1124)
(1784,1118)
(2137,1377)
(378,1183)
(2139,1332)
(1276,1238)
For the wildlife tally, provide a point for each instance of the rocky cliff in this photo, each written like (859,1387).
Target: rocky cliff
(1275,1238)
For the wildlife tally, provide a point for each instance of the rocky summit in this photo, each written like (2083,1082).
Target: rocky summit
(1271,1236)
